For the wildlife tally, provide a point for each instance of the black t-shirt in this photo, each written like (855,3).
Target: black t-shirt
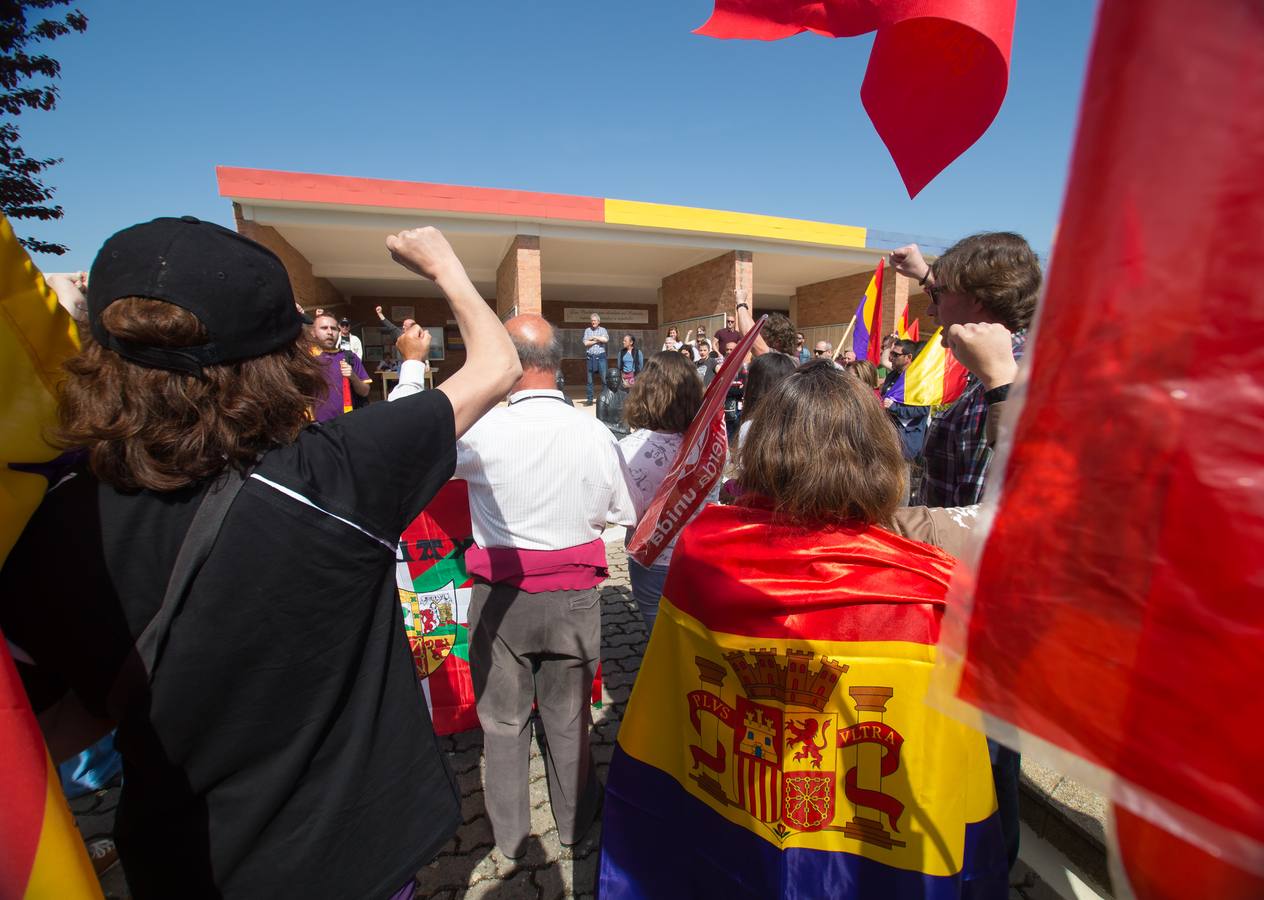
(284,748)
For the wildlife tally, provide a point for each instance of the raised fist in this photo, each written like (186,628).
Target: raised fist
(424,251)
(907,260)
(414,343)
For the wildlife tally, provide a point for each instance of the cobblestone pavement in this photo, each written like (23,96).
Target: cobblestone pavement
(470,866)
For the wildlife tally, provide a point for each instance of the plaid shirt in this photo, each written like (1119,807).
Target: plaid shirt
(956,451)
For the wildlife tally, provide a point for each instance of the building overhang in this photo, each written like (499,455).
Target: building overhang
(590,248)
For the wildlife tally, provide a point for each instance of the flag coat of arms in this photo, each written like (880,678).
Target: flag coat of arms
(434,594)
(776,743)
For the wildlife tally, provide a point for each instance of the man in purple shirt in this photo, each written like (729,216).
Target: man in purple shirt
(343,371)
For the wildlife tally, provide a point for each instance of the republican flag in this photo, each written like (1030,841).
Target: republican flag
(1115,622)
(776,743)
(949,56)
(906,331)
(866,334)
(41,852)
(434,592)
(933,378)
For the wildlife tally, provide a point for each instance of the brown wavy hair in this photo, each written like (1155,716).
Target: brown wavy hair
(160,430)
(997,268)
(823,451)
(779,334)
(866,371)
(666,396)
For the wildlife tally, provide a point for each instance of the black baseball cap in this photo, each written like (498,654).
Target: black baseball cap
(236,287)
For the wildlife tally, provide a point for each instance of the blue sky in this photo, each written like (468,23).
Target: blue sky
(568,96)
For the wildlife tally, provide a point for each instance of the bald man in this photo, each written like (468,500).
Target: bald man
(545,479)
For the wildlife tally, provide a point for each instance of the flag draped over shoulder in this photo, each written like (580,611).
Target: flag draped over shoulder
(866,332)
(949,56)
(41,853)
(1115,620)
(698,464)
(434,592)
(933,378)
(776,743)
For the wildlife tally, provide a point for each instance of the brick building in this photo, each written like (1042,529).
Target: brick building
(642,266)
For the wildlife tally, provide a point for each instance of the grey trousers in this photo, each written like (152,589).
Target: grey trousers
(542,647)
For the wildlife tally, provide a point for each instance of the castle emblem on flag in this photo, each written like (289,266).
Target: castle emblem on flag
(782,748)
(431,626)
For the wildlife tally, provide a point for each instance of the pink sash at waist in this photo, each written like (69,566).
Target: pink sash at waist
(571,569)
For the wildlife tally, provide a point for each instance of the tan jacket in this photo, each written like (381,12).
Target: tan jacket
(946,528)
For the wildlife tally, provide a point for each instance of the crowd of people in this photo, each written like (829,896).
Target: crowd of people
(235,507)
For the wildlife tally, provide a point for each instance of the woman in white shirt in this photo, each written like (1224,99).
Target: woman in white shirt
(673,339)
(660,408)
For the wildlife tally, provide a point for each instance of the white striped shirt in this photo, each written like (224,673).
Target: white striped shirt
(543,475)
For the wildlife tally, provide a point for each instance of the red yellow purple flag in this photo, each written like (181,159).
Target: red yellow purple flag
(866,331)
(950,56)
(776,743)
(41,853)
(1114,621)
(933,378)
(902,324)
(907,331)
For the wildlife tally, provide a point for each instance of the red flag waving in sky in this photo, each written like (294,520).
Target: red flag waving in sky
(937,73)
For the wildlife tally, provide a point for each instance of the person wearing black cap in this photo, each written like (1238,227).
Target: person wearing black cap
(230,600)
(347,340)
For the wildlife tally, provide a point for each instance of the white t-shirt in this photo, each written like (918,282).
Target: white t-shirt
(647,458)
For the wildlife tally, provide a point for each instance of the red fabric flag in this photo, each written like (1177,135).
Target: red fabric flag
(1116,606)
(914,330)
(946,56)
(874,353)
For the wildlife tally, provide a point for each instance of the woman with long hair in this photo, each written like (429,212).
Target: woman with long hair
(235,610)
(792,656)
(660,408)
(766,372)
(673,339)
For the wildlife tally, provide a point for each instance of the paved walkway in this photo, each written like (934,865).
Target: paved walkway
(470,866)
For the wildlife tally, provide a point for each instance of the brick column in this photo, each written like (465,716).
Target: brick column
(518,277)
(707,288)
(831,302)
(310,290)
(835,301)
